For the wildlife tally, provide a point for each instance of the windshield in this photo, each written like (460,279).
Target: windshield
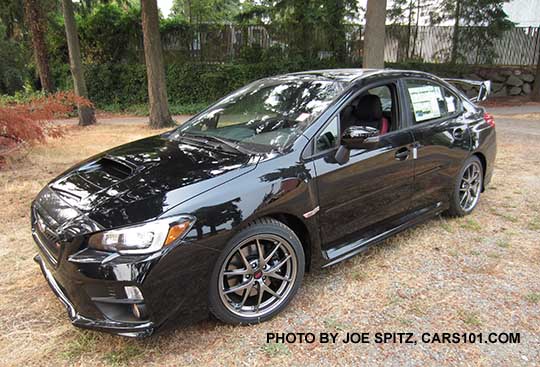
(266,115)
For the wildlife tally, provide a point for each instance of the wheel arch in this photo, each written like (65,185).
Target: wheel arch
(300,229)
(483,161)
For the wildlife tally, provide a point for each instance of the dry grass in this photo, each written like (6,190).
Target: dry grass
(533,116)
(480,273)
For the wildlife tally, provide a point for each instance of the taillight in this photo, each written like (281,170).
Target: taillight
(489,119)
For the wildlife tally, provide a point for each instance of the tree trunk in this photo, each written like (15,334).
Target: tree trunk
(535,94)
(417,24)
(455,35)
(409,28)
(155,69)
(37,25)
(86,114)
(374,36)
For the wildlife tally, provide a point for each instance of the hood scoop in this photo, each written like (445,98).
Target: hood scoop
(114,168)
(92,178)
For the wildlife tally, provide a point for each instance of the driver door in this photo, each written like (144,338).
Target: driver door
(370,188)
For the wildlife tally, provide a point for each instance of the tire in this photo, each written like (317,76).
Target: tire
(240,273)
(472,171)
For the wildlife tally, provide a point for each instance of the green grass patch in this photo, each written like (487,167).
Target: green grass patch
(471,225)
(470,318)
(503,243)
(453,253)
(418,309)
(332,323)
(533,297)
(510,218)
(359,275)
(276,349)
(84,342)
(447,227)
(123,356)
(405,322)
(534,225)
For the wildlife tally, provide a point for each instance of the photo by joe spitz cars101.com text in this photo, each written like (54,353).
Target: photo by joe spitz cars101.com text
(224,214)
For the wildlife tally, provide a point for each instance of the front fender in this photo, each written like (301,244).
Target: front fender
(223,211)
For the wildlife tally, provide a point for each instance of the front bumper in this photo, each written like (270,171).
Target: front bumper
(131,329)
(93,285)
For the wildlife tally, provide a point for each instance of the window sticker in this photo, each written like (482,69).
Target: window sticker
(450,105)
(425,101)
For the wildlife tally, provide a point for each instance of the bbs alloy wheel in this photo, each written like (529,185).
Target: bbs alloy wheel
(468,187)
(259,274)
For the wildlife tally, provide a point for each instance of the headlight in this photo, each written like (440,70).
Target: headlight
(143,238)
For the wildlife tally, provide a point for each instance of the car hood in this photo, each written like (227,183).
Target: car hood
(136,182)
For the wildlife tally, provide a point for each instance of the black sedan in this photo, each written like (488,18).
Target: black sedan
(224,214)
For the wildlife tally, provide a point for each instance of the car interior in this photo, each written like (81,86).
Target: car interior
(375,108)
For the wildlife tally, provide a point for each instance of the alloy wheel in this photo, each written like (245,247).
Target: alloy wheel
(470,186)
(258,275)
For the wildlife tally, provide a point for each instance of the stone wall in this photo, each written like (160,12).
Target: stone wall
(505,81)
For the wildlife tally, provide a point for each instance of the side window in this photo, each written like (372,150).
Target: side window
(430,101)
(452,103)
(385,97)
(373,108)
(329,137)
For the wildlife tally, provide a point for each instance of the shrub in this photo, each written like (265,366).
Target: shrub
(123,85)
(107,34)
(441,70)
(110,34)
(31,121)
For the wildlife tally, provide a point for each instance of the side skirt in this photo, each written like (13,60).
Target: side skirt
(343,252)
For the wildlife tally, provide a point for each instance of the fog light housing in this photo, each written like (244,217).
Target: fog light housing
(139,311)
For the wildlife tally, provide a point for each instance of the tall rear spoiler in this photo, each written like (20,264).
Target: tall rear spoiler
(483,87)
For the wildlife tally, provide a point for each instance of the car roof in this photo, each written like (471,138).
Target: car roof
(351,75)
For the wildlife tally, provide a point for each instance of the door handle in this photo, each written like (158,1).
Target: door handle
(402,154)
(458,133)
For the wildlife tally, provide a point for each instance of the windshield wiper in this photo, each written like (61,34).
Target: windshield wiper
(222,142)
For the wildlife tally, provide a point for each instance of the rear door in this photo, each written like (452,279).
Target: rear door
(442,139)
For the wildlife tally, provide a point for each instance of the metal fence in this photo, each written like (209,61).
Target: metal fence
(518,46)
(221,43)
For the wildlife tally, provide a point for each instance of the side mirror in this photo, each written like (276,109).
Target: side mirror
(360,137)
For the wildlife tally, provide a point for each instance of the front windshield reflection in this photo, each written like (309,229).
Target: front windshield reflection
(268,114)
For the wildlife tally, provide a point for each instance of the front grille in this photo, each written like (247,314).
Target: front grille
(47,237)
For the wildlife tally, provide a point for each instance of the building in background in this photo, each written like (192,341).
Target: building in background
(525,13)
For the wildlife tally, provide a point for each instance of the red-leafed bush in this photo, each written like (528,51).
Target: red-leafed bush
(32,122)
